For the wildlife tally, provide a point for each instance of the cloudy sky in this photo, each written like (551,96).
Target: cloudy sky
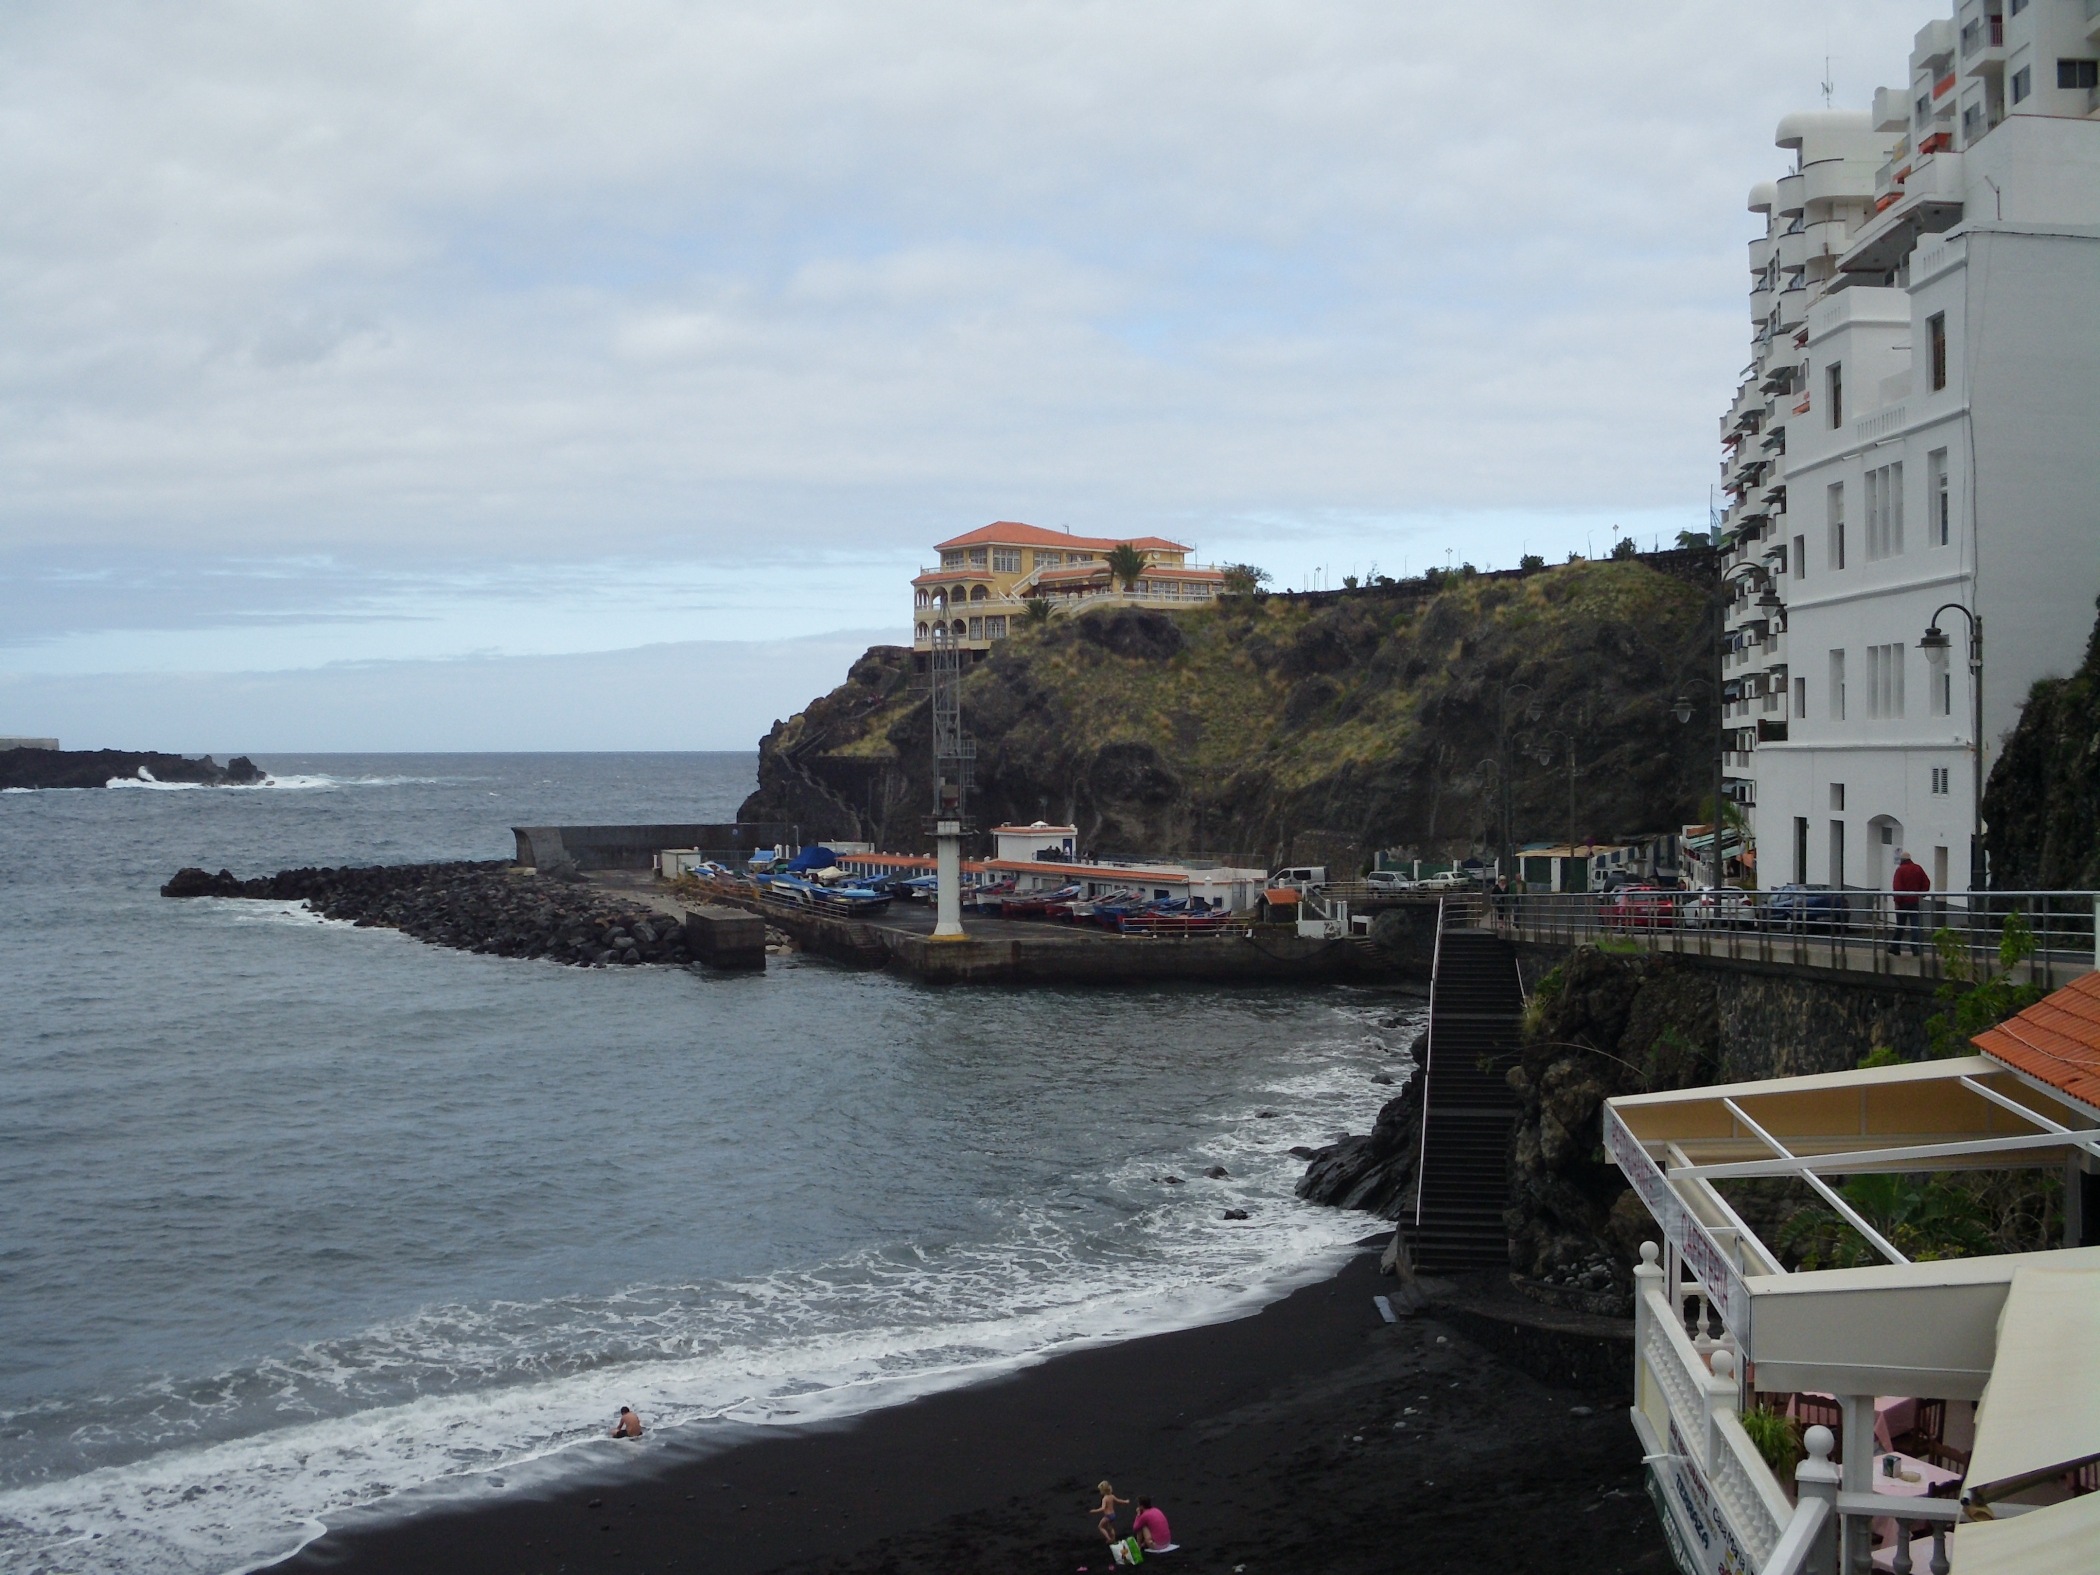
(586,376)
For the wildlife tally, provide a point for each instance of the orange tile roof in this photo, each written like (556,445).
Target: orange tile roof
(1010,533)
(2055,1041)
(943,576)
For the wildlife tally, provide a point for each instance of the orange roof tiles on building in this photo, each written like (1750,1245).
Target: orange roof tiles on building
(1009,533)
(2055,1041)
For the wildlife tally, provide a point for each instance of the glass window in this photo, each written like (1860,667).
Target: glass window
(1936,343)
(1834,382)
(1939,504)
(1049,560)
(1834,504)
(2075,74)
(1006,560)
(2023,82)
(952,560)
(978,556)
(1837,686)
(1800,557)
(995,628)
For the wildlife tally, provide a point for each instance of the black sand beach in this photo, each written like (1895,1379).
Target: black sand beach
(1280,1442)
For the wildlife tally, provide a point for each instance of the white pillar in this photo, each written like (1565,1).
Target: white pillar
(1816,1477)
(947,881)
(1858,1477)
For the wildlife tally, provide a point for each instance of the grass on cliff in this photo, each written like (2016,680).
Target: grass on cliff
(1223,698)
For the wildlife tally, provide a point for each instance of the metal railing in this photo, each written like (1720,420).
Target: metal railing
(1852,931)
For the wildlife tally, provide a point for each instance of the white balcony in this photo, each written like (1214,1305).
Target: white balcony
(1931,201)
(1790,200)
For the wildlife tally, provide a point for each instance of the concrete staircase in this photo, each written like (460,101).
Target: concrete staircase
(1474,1004)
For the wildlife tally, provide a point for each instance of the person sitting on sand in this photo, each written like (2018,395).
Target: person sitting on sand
(1107,1512)
(629,1425)
(1150,1527)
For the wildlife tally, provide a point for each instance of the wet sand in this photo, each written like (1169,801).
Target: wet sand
(1312,1436)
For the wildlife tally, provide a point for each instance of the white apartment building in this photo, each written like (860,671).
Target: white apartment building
(1919,425)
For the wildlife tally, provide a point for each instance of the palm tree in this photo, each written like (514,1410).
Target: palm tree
(1126,563)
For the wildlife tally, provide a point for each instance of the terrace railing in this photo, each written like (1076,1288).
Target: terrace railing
(1851,931)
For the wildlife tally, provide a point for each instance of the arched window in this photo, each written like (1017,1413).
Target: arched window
(960,629)
(961,593)
(921,599)
(979,593)
(922,633)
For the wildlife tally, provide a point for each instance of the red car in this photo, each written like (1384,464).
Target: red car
(1639,908)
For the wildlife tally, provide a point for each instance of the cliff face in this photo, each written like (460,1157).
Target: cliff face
(1282,728)
(2042,803)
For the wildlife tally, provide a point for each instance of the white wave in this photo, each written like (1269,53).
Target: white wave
(459,1401)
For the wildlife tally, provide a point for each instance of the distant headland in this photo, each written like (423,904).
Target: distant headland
(40,763)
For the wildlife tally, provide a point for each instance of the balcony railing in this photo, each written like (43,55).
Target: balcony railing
(1804,927)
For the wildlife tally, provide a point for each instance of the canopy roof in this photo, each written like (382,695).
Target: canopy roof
(2058,1540)
(1968,1113)
(2041,1412)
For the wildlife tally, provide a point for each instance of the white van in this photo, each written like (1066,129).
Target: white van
(1301,877)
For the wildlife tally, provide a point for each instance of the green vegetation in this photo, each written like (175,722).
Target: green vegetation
(1243,579)
(1976,995)
(1923,1219)
(1126,563)
(2042,803)
(1777,1438)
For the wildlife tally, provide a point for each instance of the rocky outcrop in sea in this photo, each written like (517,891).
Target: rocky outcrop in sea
(1374,1172)
(93,768)
(486,908)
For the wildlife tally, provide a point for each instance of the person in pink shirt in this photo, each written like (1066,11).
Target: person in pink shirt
(1150,1527)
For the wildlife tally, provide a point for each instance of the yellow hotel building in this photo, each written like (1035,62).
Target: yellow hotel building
(987,578)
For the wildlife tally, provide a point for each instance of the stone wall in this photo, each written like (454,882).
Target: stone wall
(1785,1022)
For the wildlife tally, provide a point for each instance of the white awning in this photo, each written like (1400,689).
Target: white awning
(2058,1540)
(2041,1409)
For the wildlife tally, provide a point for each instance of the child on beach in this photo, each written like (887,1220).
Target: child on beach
(1107,1524)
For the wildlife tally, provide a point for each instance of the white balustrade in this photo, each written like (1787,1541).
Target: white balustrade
(1700,1393)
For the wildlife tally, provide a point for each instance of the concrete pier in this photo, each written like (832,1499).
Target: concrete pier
(1010,951)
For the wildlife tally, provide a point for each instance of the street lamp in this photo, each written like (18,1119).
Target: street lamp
(1935,642)
(1681,708)
(1532,711)
(1544,756)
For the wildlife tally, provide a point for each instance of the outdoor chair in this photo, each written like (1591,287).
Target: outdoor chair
(1928,1427)
(1944,1455)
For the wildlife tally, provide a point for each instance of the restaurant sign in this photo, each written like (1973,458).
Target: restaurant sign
(1701,1253)
(1701,1542)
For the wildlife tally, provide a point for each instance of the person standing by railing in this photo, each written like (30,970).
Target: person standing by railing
(1908,882)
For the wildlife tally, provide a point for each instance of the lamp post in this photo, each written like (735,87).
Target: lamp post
(1935,642)
(1534,710)
(1544,756)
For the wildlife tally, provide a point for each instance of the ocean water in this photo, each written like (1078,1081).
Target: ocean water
(301,1222)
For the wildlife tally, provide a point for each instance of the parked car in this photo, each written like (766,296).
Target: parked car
(1449,880)
(1719,908)
(1805,908)
(1302,877)
(1389,880)
(1638,907)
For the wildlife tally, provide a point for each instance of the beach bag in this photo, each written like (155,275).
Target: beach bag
(1128,1551)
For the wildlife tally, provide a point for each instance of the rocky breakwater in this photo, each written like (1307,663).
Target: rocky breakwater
(94,768)
(488,908)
